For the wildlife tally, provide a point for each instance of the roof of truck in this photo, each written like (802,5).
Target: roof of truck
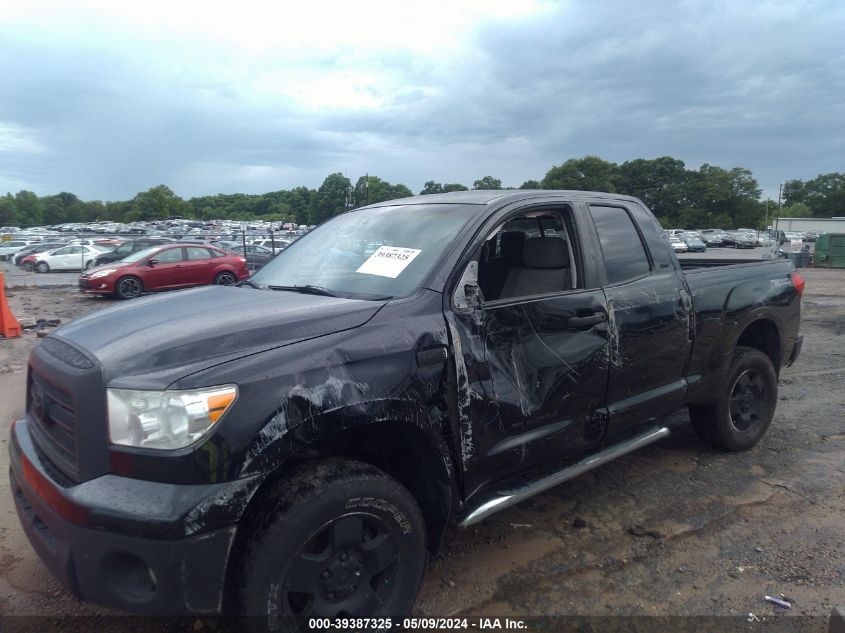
(502,196)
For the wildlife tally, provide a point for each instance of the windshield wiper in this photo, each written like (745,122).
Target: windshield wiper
(308,290)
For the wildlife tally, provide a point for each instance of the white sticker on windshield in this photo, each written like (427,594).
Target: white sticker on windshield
(388,261)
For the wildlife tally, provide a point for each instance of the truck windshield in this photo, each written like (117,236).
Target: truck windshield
(367,254)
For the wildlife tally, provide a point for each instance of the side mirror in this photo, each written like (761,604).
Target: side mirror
(152,262)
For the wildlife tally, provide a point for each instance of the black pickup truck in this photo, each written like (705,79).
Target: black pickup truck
(295,447)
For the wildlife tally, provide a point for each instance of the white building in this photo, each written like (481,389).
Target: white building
(820,225)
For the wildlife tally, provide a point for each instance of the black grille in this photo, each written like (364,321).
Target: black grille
(53,423)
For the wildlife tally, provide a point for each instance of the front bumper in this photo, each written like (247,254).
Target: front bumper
(96,286)
(145,547)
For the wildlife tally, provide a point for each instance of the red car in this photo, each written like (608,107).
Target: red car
(164,268)
(28,263)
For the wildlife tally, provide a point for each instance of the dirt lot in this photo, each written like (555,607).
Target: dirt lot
(676,529)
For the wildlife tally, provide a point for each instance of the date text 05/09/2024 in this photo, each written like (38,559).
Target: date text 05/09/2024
(414,624)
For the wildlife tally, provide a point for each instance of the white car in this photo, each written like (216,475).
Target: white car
(11,247)
(677,245)
(279,243)
(77,257)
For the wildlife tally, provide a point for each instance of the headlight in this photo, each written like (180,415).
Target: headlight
(166,420)
(102,273)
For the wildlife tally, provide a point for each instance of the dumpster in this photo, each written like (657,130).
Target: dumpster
(830,250)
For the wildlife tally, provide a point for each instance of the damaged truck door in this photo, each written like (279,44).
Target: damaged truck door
(533,350)
(650,322)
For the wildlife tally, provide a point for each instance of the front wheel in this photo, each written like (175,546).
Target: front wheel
(128,287)
(42,267)
(225,279)
(743,413)
(28,267)
(339,539)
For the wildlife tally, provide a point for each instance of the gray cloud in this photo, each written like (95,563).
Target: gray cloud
(758,86)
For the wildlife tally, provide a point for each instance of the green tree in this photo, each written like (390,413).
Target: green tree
(488,182)
(589,173)
(734,193)
(531,184)
(431,187)
(371,189)
(454,186)
(157,203)
(29,208)
(331,198)
(824,194)
(794,191)
(8,211)
(298,198)
(661,183)
(796,210)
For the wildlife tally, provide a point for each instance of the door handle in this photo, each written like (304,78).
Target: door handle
(593,319)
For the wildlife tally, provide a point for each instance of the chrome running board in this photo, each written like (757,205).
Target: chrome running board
(506,498)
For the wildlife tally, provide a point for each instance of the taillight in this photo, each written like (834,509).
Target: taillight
(798,283)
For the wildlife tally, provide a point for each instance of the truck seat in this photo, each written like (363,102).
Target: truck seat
(546,269)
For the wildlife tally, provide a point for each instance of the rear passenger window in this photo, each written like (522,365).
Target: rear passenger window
(195,252)
(624,255)
(169,256)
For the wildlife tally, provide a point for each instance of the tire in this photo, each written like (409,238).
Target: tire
(128,287)
(743,414)
(28,266)
(337,539)
(42,267)
(225,279)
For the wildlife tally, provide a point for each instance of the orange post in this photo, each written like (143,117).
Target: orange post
(9,325)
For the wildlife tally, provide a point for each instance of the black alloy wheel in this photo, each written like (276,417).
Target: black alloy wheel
(748,400)
(225,279)
(333,539)
(346,569)
(129,288)
(743,413)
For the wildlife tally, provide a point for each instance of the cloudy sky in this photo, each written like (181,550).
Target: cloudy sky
(106,99)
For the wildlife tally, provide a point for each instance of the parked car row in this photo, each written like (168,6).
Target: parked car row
(701,240)
(65,253)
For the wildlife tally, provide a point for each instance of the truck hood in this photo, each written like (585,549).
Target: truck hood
(151,342)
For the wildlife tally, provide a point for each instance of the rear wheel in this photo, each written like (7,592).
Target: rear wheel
(337,539)
(128,287)
(42,267)
(225,279)
(743,414)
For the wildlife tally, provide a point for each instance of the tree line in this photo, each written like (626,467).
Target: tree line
(709,196)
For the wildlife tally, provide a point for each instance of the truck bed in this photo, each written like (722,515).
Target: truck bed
(694,263)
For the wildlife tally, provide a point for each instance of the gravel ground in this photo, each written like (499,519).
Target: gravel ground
(677,529)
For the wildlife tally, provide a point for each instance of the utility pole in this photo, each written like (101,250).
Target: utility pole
(780,190)
(367,186)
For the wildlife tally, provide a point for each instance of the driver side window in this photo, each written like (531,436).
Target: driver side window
(530,254)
